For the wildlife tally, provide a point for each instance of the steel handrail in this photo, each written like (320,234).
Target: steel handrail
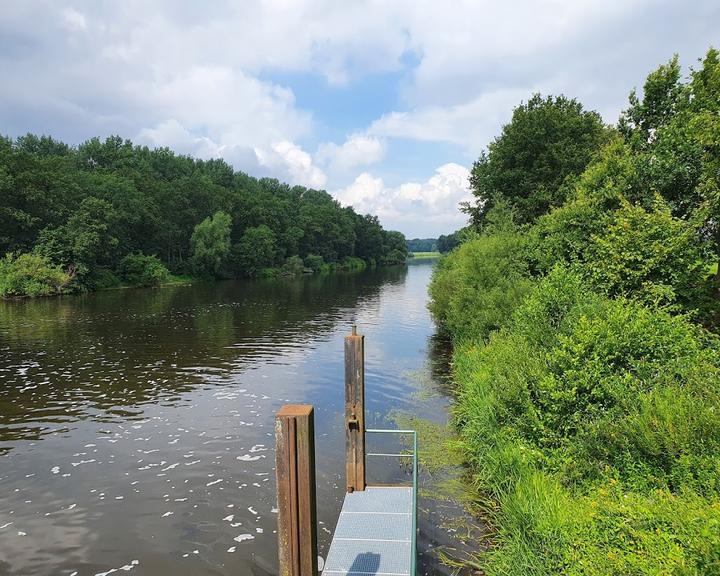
(413,544)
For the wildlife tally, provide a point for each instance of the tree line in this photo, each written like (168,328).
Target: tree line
(110,212)
(583,308)
(443,243)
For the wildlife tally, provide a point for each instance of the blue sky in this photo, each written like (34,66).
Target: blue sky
(383,104)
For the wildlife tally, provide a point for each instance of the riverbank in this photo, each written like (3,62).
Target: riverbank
(23,285)
(424,255)
(590,424)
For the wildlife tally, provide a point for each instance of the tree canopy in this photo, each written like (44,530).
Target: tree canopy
(548,142)
(86,208)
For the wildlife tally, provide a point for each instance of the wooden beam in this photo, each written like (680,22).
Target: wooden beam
(295,473)
(355,410)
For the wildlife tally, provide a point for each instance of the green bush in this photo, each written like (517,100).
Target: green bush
(477,286)
(314,262)
(590,420)
(30,275)
(143,270)
(648,255)
(353,263)
(293,266)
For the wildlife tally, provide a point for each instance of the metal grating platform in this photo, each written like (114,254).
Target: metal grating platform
(373,536)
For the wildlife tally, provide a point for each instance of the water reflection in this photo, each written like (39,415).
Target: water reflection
(136,426)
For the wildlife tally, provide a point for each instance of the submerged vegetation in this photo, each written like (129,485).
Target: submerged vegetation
(109,213)
(584,316)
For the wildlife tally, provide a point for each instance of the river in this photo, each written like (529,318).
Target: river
(136,426)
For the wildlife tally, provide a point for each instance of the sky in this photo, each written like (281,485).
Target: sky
(385,104)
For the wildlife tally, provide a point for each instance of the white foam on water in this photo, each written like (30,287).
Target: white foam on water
(243,537)
(125,568)
(248,458)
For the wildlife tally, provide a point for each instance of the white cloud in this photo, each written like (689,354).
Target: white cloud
(472,124)
(415,208)
(73,20)
(358,150)
(291,163)
(202,78)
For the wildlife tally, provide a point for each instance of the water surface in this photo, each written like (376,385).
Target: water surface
(136,426)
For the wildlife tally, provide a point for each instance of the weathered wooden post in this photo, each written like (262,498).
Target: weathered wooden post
(295,472)
(355,410)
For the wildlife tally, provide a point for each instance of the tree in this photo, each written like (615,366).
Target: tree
(88,207)
(142,270)
(256,250)
(394,248)
(674,131)
(85,243)
(30,275)
(547,144)
(210,244)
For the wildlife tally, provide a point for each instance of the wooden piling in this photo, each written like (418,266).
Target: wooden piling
(355,410)
(295,472)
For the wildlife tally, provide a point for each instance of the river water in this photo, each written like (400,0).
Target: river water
(136,426)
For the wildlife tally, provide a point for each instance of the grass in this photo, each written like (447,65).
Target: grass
(424,255)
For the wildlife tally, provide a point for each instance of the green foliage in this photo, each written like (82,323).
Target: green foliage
(86,208)
(210,244)
(422,245)
(350,263)
(85,243)
(314,262)
(293,266)
(589,404)
(585,414)
(648,255)
(143,270)
(673,131)
(476,287)
(30,275)
(446,243)
(256,250)
(548,142)
(394,248)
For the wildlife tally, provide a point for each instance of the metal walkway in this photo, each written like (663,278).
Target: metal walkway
(375,534)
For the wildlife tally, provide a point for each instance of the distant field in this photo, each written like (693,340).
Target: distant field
(426,254)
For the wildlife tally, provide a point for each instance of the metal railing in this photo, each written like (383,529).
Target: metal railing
(414,454)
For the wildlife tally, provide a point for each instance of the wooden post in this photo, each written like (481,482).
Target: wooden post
(295,472)
(355,410)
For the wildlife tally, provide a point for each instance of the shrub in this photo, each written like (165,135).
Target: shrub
(314,262)
(353,263)
(590,420)
(142,270)
(30,274)
(476,287)
(648,255)
(293,266)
